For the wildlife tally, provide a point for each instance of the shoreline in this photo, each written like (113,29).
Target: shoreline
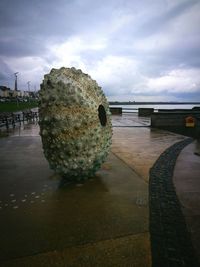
(153,103)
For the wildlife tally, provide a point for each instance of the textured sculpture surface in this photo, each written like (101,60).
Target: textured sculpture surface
(75,123)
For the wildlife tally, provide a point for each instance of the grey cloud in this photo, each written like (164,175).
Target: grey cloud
(32,28)
(158,22)
(21,46)
(27,26)
(5,72)
(56,17)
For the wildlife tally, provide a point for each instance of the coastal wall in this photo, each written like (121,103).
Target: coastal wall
(182,122)
(145,111)
(116,110)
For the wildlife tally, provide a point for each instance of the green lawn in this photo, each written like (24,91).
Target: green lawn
(13,106)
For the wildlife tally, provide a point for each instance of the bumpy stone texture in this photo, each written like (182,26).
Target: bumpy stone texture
(75,123)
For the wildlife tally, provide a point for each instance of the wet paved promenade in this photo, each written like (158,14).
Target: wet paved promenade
(103,222)
(187,184)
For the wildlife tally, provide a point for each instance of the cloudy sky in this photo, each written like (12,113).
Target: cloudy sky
(137,50)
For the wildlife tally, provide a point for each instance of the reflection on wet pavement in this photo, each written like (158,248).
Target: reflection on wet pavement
(41,213)
(130,120)
(125,120)
(56,215)
(133,140)
(25,129)
(140,147)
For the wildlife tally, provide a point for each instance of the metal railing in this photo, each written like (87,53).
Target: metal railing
(8,119)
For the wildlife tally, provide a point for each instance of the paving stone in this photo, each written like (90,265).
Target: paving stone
(169,234)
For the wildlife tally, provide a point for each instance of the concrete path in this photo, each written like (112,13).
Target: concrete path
(187,182)
(103,222)
(139,147)
(88,224)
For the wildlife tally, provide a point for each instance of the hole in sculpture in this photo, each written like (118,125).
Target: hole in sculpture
(102,115)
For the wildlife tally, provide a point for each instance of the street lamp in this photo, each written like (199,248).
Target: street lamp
(28,83)
(15,90)
(16,80)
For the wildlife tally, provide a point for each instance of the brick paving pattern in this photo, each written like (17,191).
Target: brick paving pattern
(170,240)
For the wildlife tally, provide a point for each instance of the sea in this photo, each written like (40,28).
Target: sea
(134,107)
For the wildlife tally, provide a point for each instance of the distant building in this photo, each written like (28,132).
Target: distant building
(26,94)
(5,91)
(16,93)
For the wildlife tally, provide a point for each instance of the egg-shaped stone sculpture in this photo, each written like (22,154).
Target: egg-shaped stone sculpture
(75,123)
